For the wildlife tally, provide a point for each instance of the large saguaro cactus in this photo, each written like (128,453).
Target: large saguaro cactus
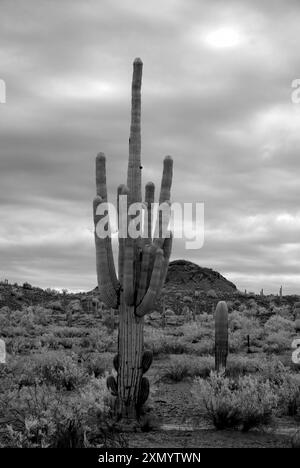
(221,335)
(143,264)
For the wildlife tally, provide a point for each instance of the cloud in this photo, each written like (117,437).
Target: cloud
(225,115)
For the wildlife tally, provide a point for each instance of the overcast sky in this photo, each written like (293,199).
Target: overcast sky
(216,95)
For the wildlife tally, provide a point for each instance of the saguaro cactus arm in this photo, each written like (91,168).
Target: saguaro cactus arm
(134,162)
(167,248)
(108,283)
(155,283)
(166,182)
(149,200)
(143,280)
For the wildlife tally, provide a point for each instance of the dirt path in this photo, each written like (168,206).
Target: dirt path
(207,439)
(182,426)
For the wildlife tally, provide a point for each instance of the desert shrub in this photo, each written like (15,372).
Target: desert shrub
(277,342)
(289,395)
(16,331)
(41,416)
(95,365)
(69,332)
(178,368)
(66,343)
(218,399)
(203,347)
(41,315)
(50,341)
(285,384)
(295,439)
(27,319)
(171,345)
(186,339)
(94,395)
(60,370)
(258,402)
(159,343)
(204,365)
(101,340)
(212,293)
(252,308)
(283,311)
(196,331)
(243,403)
(261,310)
(51,368)
(239,327)
(238,321)
(19,345)
(109,323)
(4,321)
(236,341)
(276,324)
(247,325)
(183,366)
(241,365)
(15,317)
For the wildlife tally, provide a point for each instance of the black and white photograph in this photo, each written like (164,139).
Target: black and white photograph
(149,228)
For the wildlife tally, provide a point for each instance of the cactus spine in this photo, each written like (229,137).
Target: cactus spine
(142,264)
(221,335)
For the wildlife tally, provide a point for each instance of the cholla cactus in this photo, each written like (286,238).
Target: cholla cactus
(221,335)
(142,265)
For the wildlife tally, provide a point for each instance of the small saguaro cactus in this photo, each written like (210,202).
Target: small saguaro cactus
(142,266)
(221,335)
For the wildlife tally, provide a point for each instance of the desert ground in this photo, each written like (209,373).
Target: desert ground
(60,348)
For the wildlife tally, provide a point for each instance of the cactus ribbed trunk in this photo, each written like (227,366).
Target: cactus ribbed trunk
(221,336)
(130,349)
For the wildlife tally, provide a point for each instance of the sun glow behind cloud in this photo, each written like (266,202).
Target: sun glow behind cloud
(223,38)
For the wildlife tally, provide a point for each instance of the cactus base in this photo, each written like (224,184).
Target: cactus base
(130,351)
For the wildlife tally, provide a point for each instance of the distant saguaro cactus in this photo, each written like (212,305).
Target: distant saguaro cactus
(69,316)
(143,264)
(221,335)
(297,316)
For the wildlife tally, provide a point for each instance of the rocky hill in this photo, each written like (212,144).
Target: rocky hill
(187,276)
